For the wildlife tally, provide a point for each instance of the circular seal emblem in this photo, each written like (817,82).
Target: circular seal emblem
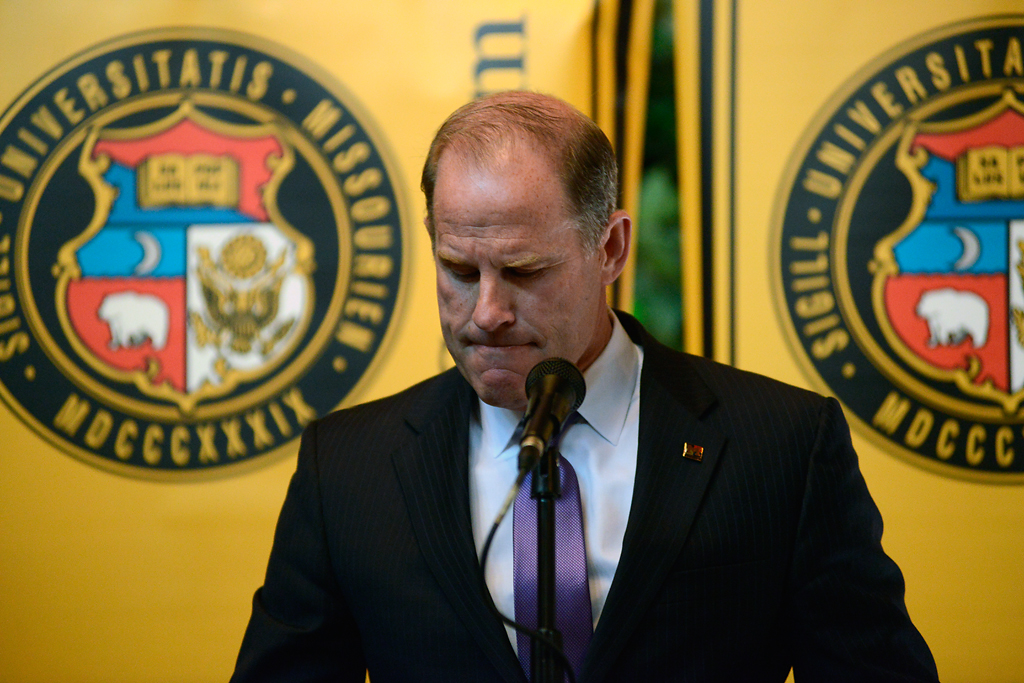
(201,250)
(900,249)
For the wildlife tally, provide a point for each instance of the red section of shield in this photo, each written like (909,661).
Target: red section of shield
(902,294)
(188,137)
(1005,130)
(87,295)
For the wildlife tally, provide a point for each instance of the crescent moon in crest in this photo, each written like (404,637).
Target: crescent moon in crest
(971,251)
(151,252)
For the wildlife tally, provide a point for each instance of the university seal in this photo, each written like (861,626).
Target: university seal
(201,250)
(900,249)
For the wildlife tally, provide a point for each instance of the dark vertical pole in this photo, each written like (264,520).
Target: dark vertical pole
(546,667)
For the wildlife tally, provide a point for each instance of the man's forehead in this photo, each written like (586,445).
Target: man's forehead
(455,255)
(512,244)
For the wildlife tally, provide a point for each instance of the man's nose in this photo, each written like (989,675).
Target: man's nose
(495,304)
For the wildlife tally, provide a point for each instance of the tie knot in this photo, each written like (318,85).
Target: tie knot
(572,419)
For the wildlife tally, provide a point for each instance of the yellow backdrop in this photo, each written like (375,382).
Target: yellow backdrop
(779,72)
(113,576)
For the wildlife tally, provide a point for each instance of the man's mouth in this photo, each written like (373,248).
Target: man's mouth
(500,352)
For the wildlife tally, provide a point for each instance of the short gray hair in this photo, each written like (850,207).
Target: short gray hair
(579,149)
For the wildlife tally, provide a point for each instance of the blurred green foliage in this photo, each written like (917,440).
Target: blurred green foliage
(658,301)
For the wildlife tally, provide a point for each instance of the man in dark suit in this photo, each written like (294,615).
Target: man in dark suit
(729,533)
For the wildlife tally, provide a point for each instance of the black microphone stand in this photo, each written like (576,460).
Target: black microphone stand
(555,389)
(545,666)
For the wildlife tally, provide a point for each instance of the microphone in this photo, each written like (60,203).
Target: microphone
(554,388)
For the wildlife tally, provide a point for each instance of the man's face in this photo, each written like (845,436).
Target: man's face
(514,284)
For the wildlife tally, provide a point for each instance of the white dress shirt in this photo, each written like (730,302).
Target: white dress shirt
(601,448)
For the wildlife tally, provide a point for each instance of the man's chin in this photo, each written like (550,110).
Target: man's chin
(501,388)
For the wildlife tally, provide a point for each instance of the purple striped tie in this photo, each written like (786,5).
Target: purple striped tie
(573,616)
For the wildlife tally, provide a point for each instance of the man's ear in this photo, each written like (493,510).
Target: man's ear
(615,245)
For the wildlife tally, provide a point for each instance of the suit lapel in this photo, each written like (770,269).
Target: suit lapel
(666,495)
(433,472)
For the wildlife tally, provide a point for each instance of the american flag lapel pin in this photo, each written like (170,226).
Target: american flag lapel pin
(693,452)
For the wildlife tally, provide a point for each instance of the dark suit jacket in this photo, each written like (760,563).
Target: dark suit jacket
(764,555)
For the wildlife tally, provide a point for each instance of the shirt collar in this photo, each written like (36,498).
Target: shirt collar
(611,383)
(611,386)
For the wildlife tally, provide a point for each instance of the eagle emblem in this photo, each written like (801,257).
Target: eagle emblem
(241,292)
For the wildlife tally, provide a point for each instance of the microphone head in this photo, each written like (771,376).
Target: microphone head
(563,369)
